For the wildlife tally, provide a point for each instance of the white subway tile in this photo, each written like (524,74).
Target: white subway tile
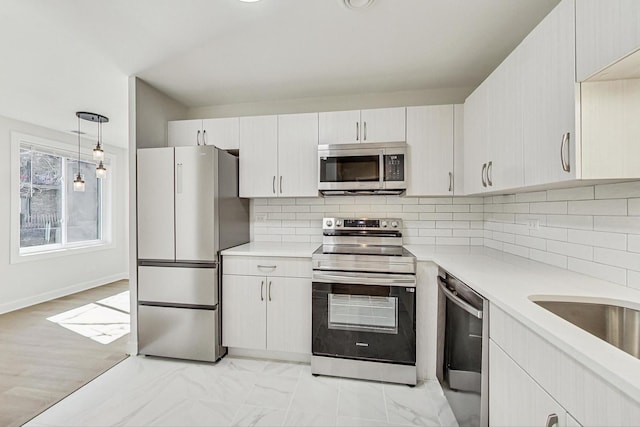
(468,233)
(524,218)
(462,216)
(476,241)
(442,232)
(493,244)
(452,224)
(266,208)
(577,193)
(618,191)
(516,229)
(516,250)
(622,259)
(260,230)
(299,223)
(452,208)
(354,208)
(309,231)
(494,226)
(267,238)
(476,208)
(634,207)
(452,241)
(316,215)
(370,200)
(507,198)
(436,200)
(282,201)
(633,279)
(420,224)
(443,216)
(504,217)
(600,271)
(468,200)
(538,196)
(319,208)
(532,242)
(419,241)
(598,238)
(516,208)
(385,208)
(310,200)
(280,215)
(598,207)
(316,239)
(493,208)
(407,232)
(405,216)
(571,249)
(418,208)
(548,258)
(488,234)
(281,230)
(634,243)
(580,222)
(476,225)
(342,200)
(617,224)
(504,237)
(300,239)
(296,208)
(548,208)
(395,200)
(550,233)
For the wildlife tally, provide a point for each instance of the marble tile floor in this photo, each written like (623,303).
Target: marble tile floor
(145,391)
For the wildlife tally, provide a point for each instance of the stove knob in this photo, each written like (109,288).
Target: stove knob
(394,224)
(383,224)
(329,223)
(338,222)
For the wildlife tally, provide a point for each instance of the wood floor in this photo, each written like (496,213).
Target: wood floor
(41,362)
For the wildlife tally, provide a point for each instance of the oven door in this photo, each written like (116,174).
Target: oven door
(364,316)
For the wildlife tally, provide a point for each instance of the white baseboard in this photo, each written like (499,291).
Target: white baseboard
(271,355)
(58,293)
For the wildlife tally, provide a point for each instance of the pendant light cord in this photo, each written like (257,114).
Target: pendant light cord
(78,163)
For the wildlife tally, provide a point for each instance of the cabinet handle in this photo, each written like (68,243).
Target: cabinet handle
(179,178)
(269,290)
(489,173)
(552,421)
(482,174)
(273,184)
(280,184)
(273,267)
(450,181)
(198,138)
(357,131)
(566,165)
(204,137)
(365,131)
(262,291)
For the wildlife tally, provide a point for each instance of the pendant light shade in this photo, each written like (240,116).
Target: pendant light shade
(78,183)
(98,153)
(101,171)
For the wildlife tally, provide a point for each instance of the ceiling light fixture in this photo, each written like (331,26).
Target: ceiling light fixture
(78,182)
(357,4)
(98,152)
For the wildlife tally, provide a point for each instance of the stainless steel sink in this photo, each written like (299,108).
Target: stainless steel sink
(619,326)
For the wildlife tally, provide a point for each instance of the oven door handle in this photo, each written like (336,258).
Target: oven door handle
(458,301)
(364,280)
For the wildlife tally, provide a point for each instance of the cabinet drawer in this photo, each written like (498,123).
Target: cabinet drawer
(178,285)
(267,266)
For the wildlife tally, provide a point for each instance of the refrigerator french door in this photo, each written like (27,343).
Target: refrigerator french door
(188,211)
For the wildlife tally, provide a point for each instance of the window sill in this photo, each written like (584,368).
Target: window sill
(60,252)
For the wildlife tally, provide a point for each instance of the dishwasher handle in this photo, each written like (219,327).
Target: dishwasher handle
(458,301)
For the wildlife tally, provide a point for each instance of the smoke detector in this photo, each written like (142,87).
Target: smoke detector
(357,4)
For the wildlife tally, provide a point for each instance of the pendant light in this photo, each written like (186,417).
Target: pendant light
(98,152)
(78,182)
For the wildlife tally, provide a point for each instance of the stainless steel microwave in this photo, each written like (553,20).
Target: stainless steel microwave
(376,168)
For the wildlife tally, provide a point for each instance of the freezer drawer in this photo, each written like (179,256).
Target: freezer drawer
(178,285)
(182,333)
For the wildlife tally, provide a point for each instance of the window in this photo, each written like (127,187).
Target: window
(53,217)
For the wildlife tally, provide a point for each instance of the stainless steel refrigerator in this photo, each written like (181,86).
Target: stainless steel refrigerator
(188,211)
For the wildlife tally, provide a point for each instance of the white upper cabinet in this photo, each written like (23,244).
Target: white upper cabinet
(222,133)
(298,155)
(430,135)
(258,156)
(351,127)
(475,141)
(549,99)
(605,31)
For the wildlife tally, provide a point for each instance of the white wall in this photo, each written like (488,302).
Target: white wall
(26,283)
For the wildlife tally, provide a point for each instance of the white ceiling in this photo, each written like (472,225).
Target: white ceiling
(61,56)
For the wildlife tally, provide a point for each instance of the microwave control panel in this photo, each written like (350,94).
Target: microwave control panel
(394,167)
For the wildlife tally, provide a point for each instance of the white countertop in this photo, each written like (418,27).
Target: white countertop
(273,249)
(508,281)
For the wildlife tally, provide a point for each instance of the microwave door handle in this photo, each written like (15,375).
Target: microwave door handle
(382,182)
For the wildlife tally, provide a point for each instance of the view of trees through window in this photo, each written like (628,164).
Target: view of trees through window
(51,213)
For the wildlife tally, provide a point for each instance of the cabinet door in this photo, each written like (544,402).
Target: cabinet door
(298,155)
(339,127)
(504,141)
(606,31)
(181,133)
(515,398)
(194,210)
(289,314)
(155,196)
(383,125)
(244,312)
(258,156)
(223,133)
(475,140)
(548,63)
(430,150)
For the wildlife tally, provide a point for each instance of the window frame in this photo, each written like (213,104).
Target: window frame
(66,151)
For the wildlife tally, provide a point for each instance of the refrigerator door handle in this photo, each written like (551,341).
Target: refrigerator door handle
(179,178)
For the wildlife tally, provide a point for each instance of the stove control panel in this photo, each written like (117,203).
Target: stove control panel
(361,224)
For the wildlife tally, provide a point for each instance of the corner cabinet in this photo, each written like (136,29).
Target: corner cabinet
(266,303)
(223,133)
(362,126)
(279,156)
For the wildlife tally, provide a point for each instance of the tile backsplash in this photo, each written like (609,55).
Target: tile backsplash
(593,230)
(433,220)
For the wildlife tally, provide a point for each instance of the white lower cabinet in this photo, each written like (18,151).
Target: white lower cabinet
(515,399)
(262,311)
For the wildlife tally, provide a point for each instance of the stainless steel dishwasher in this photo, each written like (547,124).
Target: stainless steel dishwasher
(463,350)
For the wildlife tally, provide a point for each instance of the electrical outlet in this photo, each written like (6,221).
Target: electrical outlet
(261,217)
(534,224)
